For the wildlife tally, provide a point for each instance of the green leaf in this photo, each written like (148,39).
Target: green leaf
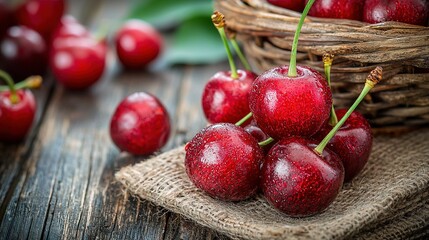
(167,13)
(196,41)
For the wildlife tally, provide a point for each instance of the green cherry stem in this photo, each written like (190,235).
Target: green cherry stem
(374,77)
(327,63)
(14,99)
(292,65)
(30,83)
(240,53)
(218,20)
(266,142)
(247,117)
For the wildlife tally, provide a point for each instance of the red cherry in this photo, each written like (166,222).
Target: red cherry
(226,99)
(342,9)
(253,129)
(16,118)
(41,15)
(407,11)
(298,181)
(224,161)
(23,53)
(140,124)
(78,62)
(137,44)
(352,143)
(287,106)
(296,5)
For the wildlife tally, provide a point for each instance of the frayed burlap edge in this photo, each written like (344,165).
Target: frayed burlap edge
(392,183)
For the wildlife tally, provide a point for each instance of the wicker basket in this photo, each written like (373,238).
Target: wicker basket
(398,104)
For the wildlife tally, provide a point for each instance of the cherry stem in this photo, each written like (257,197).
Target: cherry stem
(266,141)
(30,83)
(292,64)
(218,20)
(8,79)
(247,117)
(373,78)
(327,63)
(240,54)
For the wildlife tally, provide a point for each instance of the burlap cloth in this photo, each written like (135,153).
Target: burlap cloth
(388,200)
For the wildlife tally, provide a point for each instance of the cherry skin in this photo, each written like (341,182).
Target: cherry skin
(78,62)
(253,129)
(69,27)
(342,9)
(287,106)
(137,44)
(224,161)
(16,118)
(295,5)
(140,124)
(23,53)
(297,180)
(407,11)
(352,143)
(41,15)
(6,17)
(226,99)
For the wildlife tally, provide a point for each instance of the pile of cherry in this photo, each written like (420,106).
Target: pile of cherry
(286,140)
(372,11)
(36,36)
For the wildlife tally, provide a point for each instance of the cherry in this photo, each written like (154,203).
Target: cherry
(140,124)
(352,143)
(291,100)
(224,161)
(408,11)
(226,95)
(78,62)
(137,44)
(342,9)
(41,15)
(253,129)
(295,5)
(17,109)
(300,179)
(23,53)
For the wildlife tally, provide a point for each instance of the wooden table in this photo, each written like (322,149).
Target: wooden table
(59,183)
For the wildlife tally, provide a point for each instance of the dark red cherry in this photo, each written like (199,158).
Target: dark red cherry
(41,15)
(296,5)
(408,11)
(78,62)
(140,124)
(137,44)
(224,161)
(226,99)
(23,53)
(352,143)
(6,17)
(287,106)
(253,129)
(297,180)
(342,9)
(16,118)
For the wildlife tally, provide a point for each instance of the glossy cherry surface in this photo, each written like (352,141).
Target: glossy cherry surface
(298,181)
(78,62)
(253,129)
(69,27)
(41,15)
(140,124)
(224,161)
(226,99)
(137,44)
(16,118)
(342,9)
(23,53)
(352,143)
(287,106)
(296,5)
(407,11)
